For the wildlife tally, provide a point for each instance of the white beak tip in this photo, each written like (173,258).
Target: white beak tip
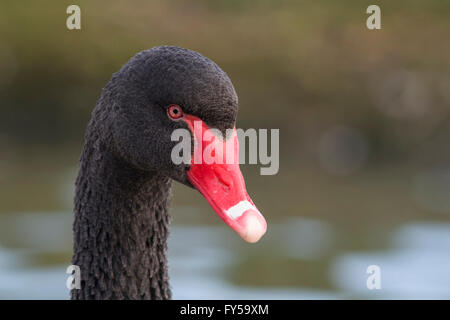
(254,229)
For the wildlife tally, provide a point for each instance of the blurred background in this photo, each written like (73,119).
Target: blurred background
(364,119)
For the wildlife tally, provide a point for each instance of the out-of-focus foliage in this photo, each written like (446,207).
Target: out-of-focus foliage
(301,66)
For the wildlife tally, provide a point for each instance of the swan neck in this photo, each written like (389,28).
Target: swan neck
(120,229)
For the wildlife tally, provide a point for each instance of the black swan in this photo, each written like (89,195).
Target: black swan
(124,181)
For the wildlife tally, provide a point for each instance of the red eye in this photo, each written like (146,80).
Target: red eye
(175,112)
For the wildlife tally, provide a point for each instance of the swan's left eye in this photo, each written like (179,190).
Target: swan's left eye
(175,112)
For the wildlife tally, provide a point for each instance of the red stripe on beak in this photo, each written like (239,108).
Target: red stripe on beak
(216,174)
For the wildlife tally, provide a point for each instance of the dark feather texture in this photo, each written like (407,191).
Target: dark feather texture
(124,181)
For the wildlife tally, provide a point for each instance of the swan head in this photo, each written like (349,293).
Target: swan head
(168,88)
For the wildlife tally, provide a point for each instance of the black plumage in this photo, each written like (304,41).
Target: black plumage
(124,181)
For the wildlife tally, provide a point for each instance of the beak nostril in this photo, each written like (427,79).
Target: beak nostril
(224,179)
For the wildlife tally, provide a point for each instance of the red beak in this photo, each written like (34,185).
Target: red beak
(221,182)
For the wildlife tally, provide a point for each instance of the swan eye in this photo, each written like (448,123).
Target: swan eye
(175,112)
